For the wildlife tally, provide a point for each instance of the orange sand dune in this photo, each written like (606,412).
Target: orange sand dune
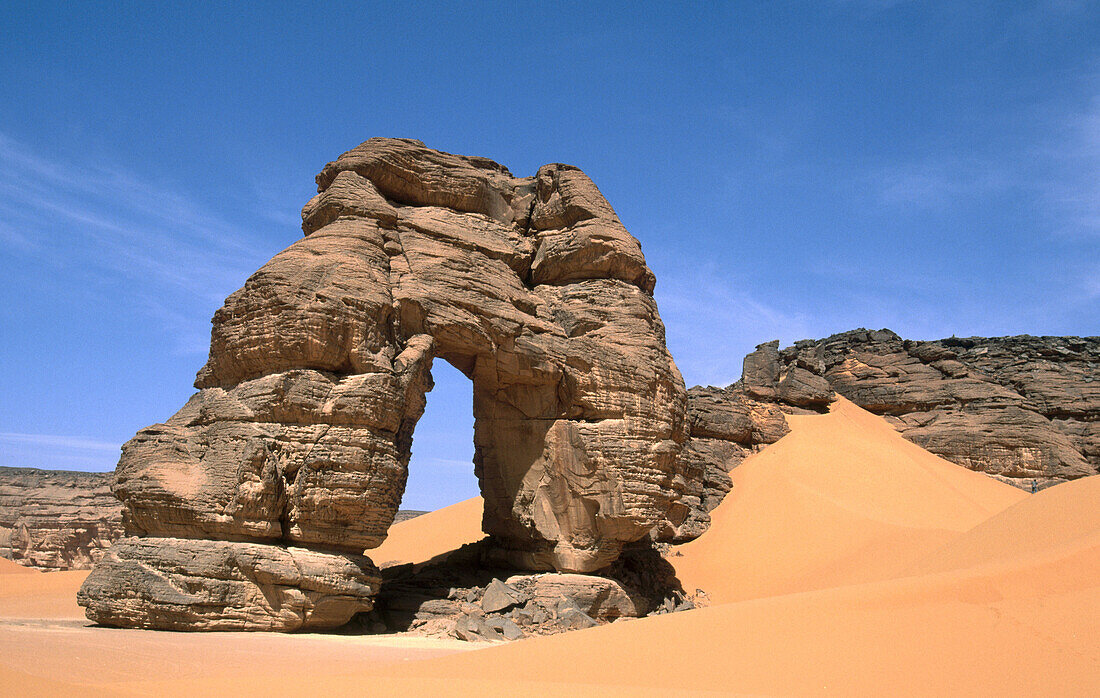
(842,499)
(41,595)
(441,531)
(9,567)
(847,561)
(1020,631)
(1055,520)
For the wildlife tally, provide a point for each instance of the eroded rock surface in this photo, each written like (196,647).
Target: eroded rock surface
(181,584)
(1023,409)
(57,519)
(301,431)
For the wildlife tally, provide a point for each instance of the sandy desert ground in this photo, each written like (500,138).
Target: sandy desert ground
(846,561)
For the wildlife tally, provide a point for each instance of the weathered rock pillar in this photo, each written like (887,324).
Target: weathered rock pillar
(250,508)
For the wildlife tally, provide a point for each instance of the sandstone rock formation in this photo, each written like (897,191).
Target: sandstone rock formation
(181,584)
(301,431)
(1023,409)
(57,519)
(726,425)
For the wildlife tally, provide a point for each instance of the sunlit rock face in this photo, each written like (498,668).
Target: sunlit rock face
(300,434)
(57,519)
(1023,409)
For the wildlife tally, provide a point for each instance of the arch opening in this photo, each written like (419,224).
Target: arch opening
(441,466)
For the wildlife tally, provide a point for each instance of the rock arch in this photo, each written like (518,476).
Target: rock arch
(299,438)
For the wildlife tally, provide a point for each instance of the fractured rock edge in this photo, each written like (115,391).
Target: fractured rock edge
(1023,409)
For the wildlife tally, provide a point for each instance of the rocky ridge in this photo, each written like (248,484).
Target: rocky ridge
(57,519)
(1023,409)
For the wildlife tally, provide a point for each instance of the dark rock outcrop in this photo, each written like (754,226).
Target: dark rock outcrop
(1023,409)
(465,595)
(57,519)
(301,431)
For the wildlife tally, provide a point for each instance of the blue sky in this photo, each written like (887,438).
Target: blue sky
(792,169)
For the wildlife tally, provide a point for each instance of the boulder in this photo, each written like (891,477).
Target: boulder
(501,597)
(179,584)
(601,598)
(569,616)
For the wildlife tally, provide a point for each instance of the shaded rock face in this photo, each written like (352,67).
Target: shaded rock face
(1023,409)
(301,431)
(463,594)
(57,519)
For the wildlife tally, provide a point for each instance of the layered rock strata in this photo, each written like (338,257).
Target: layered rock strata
(181,584)
(726,425)
(57,519)
(301,431)
(1023,409)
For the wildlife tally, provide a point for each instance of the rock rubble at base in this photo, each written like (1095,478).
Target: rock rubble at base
(461,595)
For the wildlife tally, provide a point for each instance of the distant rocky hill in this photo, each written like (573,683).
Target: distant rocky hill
(1023,409)
(406,514)
(57,519)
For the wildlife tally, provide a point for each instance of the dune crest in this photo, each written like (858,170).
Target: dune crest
(1058,521)
(9,567)
(435,533)
(819,535)
(842,499)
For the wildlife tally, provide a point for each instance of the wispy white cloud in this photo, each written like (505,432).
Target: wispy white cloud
(60,441)
(937,182)
(1071,190)
(713,319)
(1056,164)
(179,260)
